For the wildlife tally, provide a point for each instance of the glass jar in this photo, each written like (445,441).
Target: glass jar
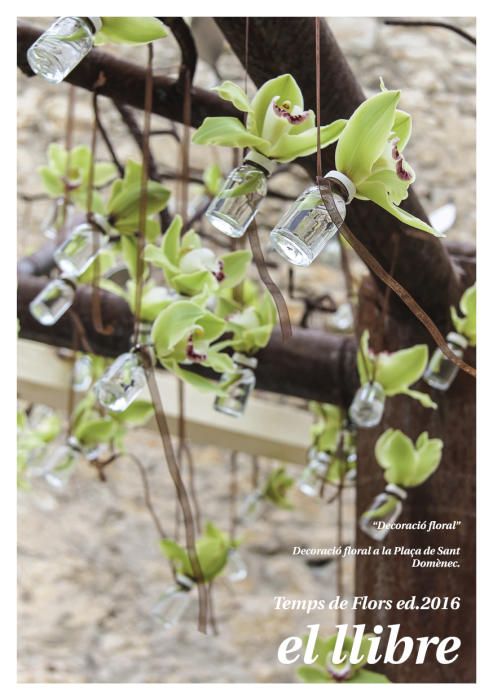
(238,386)
(342,319)
(384,510)
(233,213)
(60,215)
(368,405)
(306,227)
(441,372)
(81,248)
(82,373)
(122,382)
(316,471)
(252,507)
(53,301)
(59,465)
(172,604)
(235,569)
(63,46)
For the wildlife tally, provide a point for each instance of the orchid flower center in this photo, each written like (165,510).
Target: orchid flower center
(401,167)
(192,353)
(292,113)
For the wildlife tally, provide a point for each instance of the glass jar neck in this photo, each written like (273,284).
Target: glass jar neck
(244,360)
(397,491)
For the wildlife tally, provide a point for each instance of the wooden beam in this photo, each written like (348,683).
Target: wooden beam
(268,428)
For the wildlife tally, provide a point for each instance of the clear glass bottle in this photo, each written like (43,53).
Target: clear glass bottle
(171,606)
(122,382)
(84,244)
(82,373)
(311,477)
(342,319)
(63,46)
(368,405)
(386,509)
(53,301)
(232,214)
(235,569)
(441,372)
(238,385)
(59,466)
(252,507)
(60,215)
(306,227)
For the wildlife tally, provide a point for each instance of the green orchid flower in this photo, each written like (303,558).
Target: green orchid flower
(466,324)
(192,269)
(129,30)
(123,207)
(58,182)
(212,552)
(184,334)
(370,153)
(405,464)
(250,316)
(394,371)
(276,488)
(325,670)
(278,126)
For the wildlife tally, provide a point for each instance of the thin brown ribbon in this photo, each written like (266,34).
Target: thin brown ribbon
(181,491)
(373,264)
(275,292)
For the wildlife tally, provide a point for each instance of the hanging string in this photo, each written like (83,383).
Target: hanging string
(69,132)
(233,493)
(317,82)
(179,488)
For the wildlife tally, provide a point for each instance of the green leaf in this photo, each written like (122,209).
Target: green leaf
(130,30)
(233,93)
(366,135)
(227,131)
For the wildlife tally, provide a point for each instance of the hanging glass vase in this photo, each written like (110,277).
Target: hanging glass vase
(252,507)
(441,372)
(235,569)
(122,382)
(233,209)
(53,301)
(342,319)
(59,216)
(368,405)
(82,373)
(81,248)
(171,606)
(306,227)
(311,478)
(63,46)
(238,386)
(59,465)
(384,510)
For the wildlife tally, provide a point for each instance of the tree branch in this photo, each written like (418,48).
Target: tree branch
(125,83)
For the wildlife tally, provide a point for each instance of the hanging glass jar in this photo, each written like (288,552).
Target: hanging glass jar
(384,510)
(122,382)
(252,507)
(53,301)
(233,213)
(368,405)
(238,386)
(82,373)
(81,248)
(171,606)
(315,472)
(59,465)
(63,46)
(342,319)
(59,216)
(235,569)
(441,372)
(306,227)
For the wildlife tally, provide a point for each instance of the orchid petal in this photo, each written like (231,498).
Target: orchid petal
(227,131)
(284,87)
(290,146)
(231,92)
